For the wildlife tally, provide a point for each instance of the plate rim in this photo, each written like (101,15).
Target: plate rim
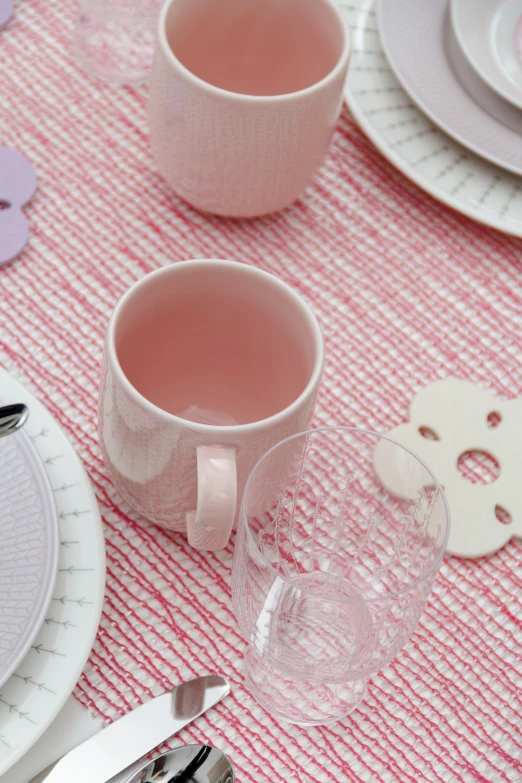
(12,388)
(409,171)
(51,567)
(421,104)
(498,88)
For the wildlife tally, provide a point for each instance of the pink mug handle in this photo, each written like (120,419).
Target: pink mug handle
(210,526)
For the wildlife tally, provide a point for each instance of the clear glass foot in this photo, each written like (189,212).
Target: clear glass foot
(114,40)
(303,703)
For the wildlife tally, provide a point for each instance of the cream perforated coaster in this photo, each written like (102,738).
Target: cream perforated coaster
(473,443)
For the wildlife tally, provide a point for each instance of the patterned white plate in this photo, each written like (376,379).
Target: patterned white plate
(32,697)
(415,145)
(28,548)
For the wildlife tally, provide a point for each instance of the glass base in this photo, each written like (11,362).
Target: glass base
(116,53)
(293,700)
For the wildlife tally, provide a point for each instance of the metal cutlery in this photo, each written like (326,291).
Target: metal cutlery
(12,417)
(188,764)
(128,739)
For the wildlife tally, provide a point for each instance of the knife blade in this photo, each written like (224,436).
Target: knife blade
(128,739)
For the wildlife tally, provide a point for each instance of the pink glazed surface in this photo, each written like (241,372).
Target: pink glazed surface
(152,454)
(239,155)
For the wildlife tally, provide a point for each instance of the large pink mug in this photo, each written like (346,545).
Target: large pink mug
(244,97)
(207,365)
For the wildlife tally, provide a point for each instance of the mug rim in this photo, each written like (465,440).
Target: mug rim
(217,429)
(215,91)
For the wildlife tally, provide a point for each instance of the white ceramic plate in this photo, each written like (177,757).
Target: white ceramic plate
(28,548)
(485,30)
(32,697)
(420,47)
(415,145)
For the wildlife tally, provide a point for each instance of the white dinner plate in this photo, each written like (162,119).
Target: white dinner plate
(28,548)
(412,143)
(32,697)
(487,33)
(418,40)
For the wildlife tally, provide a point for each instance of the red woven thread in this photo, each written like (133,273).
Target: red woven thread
(407,292)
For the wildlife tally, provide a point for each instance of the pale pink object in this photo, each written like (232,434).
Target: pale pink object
(251,141)
(191,346)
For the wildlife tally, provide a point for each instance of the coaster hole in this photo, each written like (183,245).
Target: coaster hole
(478,467)
(503,516)
(494,419)
(428,433)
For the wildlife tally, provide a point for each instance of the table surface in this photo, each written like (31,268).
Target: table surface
(406,291)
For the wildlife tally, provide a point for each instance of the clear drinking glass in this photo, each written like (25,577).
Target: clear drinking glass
(114,39)
(332,569)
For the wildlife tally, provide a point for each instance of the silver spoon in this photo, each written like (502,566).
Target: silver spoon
(12,417)
(188,764)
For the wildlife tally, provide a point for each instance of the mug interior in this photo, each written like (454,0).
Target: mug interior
(256,47)
(217,344)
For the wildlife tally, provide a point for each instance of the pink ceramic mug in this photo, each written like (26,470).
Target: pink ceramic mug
(244,97)
(207,365)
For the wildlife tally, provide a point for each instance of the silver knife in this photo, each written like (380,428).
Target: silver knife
(128,739)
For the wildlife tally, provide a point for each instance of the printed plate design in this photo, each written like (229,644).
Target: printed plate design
(28,548)
(32,697)
(413,144)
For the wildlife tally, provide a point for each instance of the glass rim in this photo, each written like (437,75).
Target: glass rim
(378,436)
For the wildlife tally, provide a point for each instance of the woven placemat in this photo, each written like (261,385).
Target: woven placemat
(406,291)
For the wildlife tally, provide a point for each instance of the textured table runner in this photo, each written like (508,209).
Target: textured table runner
(406,291)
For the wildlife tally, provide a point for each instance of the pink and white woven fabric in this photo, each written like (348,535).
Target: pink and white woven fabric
(406,291)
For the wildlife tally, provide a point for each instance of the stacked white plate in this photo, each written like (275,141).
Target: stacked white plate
(437,86)
(52,574)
